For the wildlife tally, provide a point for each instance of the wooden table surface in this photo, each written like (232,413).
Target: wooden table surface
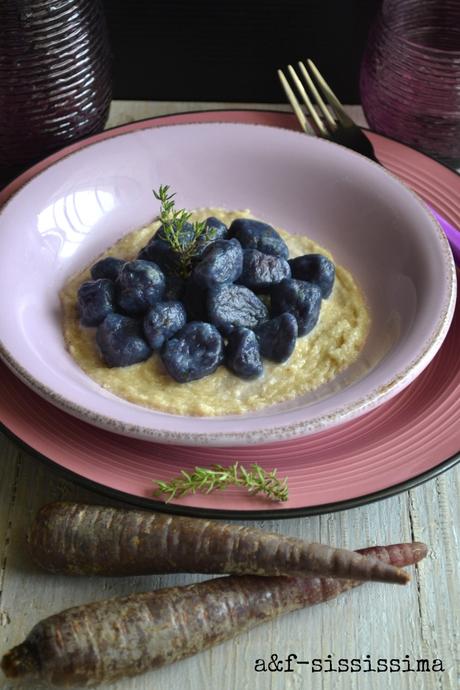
(385,622)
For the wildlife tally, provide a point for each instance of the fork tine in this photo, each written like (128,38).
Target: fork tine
(322,106)
(309,105)
(295,104)
(342,116)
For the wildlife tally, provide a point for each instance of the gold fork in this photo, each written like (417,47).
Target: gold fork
(337,125)
(329,118)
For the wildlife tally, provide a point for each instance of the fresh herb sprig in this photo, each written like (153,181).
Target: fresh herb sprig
(175,231)
(214,478)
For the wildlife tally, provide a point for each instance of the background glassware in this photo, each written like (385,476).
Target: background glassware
(410,75)
(55,82)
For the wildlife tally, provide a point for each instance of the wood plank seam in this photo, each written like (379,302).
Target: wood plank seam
(414,537)
(9,511)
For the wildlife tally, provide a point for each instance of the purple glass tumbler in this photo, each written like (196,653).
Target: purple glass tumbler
(55,78)
(410,76)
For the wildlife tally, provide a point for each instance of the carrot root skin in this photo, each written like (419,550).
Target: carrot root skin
(20,662)
(125,636)
(78,539)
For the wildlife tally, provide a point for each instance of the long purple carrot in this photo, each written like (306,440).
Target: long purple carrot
(125,636)
(81,539)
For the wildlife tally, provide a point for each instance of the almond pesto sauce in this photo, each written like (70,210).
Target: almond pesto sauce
(333,345)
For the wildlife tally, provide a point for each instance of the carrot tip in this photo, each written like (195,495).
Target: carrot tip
(404,576)
(420,550)
(19,662)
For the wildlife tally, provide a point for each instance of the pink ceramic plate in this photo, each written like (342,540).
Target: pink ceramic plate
(71,211)
(410,439)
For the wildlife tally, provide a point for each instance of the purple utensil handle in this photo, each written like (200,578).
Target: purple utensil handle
(452,234)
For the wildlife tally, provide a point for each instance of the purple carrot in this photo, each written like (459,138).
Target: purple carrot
(78,539)
(125,636)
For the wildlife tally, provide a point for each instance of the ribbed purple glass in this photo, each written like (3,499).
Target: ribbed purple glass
(55,81)
(410,75)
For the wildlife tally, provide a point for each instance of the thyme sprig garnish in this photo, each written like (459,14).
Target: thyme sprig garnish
(217,477)
(176,230)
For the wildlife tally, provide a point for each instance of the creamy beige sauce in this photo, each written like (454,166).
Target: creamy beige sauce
(318,357)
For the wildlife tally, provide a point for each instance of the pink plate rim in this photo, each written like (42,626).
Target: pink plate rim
(224,513)
(269,433)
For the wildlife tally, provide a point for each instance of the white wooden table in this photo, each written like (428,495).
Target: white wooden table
(387,622)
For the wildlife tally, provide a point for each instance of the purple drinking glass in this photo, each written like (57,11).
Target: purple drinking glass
(55,78)
(410,76)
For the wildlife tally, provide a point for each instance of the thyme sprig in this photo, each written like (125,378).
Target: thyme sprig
(217,477)
(175,231)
